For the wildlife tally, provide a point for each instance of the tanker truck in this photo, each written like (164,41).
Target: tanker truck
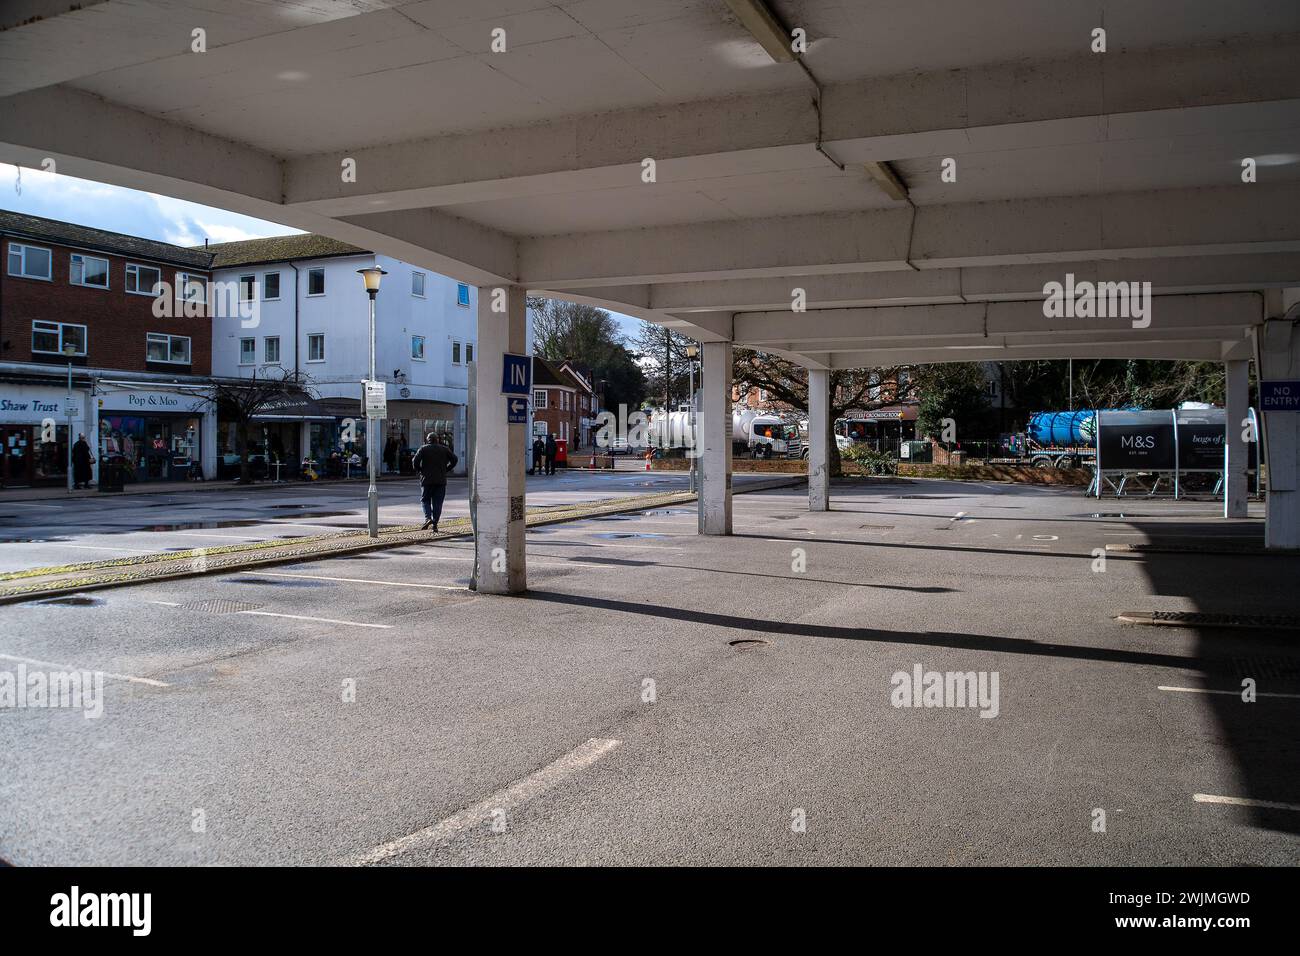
(1057,440)
(753,434)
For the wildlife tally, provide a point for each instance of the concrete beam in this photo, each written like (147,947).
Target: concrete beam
(819,439)
(1198,351)
(93,139)
(1236,450)
(1167,223)
(1210,316)
(973,284)
(988,108)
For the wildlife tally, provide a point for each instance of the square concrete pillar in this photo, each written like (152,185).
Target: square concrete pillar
(498,486)
(1278,344)
(819,439)
(714,463)
(1236,449)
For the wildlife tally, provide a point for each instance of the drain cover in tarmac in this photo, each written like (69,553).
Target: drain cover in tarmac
(220,606)
(1268,622)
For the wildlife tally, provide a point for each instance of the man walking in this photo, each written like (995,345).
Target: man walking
(539,457)
(550,454)
(431,463)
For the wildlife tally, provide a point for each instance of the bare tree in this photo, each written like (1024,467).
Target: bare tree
(858,389)
(240,401)
(663,353)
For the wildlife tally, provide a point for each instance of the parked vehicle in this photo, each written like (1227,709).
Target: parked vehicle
(761,435)
(1055,440)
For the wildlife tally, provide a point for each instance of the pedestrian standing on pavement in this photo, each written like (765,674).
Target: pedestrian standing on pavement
(550,454)
(81,462)
(431,463)
(539,456)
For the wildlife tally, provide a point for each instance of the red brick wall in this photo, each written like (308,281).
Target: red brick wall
(552,415)
(116,321)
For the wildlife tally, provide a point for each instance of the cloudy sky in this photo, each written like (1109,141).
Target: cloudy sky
(136,213)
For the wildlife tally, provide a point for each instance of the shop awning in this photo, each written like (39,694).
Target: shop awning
(293,408)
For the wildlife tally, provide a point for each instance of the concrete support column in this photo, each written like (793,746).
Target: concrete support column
(819,439)
(714,426)
(1278,345)
(1237,461)
(499,447)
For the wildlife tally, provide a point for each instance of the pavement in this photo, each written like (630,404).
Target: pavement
(663,698)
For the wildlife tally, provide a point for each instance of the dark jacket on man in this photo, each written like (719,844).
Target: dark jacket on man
(81,462)
(432,462)
(539,454)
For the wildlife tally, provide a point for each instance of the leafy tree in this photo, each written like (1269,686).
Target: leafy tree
(589,337)
(957,391)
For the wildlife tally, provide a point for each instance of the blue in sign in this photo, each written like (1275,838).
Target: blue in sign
(1279,396)
(516,374)
(516,411)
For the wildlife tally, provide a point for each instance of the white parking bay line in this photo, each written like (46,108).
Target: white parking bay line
(318,620)
(1234,693)
(68,667)
(1244,802)
(512,796)
(391,584)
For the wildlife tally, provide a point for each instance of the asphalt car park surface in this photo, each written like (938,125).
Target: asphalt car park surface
(53,531)
(659,697)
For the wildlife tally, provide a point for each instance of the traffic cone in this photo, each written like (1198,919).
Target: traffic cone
(648,456)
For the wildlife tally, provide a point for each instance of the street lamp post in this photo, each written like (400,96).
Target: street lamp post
(69,351)
(691,352)
(371,277)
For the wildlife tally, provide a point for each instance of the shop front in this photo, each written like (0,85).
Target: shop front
(399,436)
(882,429)
(35,431)
(278,436)
(155,433)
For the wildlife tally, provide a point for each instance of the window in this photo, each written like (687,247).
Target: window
(142,280)
(247,288)
(539,398)
(316,347)
(271,285)
(271,349)
(247,351)
(191,288)
(469,351)
(455,352)
(30,262)
(58,338)
(160,347)
(316,282)
(417,284)
(417,347)
(462,294)
(89,270)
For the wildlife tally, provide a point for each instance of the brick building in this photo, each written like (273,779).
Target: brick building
(563,402)
(83,352)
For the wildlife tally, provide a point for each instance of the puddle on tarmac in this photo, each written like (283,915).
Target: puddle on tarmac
(628,534)
(283,582)
(74,600)
(32,540)
(1114,514)
(231,523)
(615,518)
(670,511)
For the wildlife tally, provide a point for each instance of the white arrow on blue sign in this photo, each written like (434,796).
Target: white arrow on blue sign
(517,411)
